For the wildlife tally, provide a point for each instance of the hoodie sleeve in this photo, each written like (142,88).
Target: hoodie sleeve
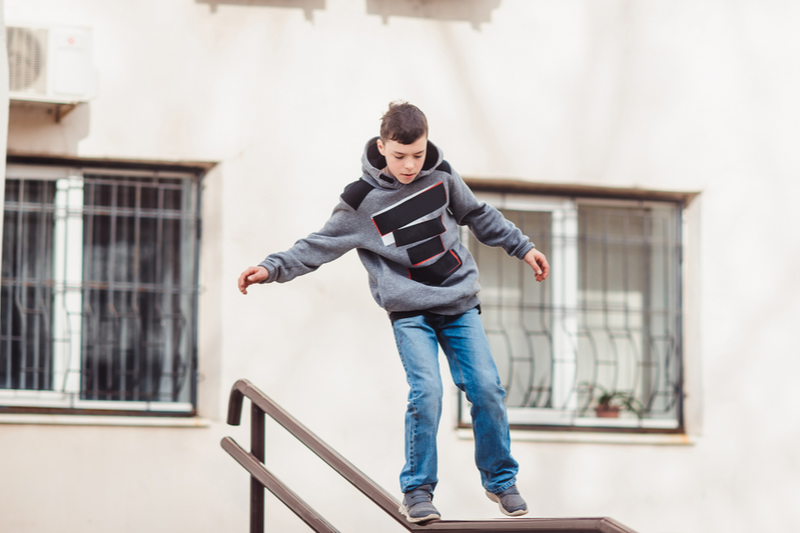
(484,221)
(338,236)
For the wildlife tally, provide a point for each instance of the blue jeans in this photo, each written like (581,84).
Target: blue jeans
(472,367)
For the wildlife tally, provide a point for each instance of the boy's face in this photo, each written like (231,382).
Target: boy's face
(404,161)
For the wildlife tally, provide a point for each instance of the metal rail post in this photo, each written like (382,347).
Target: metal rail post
(257,439)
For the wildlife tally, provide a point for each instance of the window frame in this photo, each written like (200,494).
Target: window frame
(68,401)
(526,196)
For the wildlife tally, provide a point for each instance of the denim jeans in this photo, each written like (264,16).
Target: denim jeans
(472,367)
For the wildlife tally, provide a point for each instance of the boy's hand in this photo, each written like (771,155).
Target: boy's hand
(250,276)
(538,263)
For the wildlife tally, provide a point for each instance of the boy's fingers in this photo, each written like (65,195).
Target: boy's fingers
(543,268)
(244,281)
(250,276)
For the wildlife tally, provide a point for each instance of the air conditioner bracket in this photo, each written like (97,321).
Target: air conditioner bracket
(59,110)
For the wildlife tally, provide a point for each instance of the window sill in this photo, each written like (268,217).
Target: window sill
(588,437)
(89,420)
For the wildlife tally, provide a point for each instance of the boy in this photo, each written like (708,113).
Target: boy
(403,216)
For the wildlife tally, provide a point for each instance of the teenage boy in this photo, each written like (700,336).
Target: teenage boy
(402,216)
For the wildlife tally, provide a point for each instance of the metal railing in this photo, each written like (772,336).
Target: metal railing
(253,462)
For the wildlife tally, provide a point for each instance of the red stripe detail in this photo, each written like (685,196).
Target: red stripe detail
(430,258)
(457,259)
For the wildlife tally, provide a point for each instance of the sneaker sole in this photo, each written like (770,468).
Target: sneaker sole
(494,498)
(414,519)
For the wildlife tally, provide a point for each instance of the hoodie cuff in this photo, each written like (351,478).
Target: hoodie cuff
(525,249)
(270,271)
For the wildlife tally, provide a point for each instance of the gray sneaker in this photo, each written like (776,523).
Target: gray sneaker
(417,505)
(510,501)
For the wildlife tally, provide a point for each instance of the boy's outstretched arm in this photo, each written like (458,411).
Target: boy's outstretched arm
(251,275)
(538,263)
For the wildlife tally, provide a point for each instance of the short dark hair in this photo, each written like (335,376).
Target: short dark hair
(403,123)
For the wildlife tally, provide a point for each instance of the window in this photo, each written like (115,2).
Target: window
(607,320)
(99,290)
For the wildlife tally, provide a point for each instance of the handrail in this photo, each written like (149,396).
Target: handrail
(261,478)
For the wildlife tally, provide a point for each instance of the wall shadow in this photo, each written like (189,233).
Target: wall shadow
(476,12)
(308,6)
(36,128)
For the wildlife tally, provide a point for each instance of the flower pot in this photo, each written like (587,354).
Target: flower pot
(607,411)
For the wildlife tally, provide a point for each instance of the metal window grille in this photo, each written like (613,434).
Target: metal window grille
(99,291)
(607,320)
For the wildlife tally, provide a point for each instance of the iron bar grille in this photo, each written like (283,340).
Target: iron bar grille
(607,321)
(99,292)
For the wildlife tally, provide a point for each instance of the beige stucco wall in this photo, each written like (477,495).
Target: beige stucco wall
(688,96)
(3,108)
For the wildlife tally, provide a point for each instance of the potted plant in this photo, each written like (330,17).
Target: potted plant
(610,402)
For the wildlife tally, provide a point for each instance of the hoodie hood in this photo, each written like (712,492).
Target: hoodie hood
(373,163)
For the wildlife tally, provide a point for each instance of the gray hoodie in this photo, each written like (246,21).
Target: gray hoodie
(407,237)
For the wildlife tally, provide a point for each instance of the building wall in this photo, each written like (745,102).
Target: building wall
(684,96)
(3,106)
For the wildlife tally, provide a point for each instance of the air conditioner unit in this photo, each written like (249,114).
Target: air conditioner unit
(50,64)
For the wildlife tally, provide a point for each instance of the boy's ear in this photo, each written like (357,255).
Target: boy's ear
(381,148)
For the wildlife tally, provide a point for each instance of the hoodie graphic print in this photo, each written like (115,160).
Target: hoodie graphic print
(407,237)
